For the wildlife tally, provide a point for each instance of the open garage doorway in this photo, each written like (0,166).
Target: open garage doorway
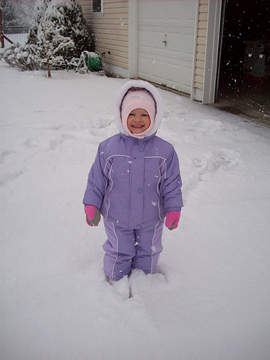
(244,67)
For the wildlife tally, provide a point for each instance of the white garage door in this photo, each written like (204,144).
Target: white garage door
(166,42)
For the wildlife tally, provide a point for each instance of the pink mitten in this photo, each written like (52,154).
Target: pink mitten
(172,219)
(92,215)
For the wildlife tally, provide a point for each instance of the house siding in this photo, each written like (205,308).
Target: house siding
(110,30)
(201,44)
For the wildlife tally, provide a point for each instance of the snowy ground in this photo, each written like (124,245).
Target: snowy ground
(211,299)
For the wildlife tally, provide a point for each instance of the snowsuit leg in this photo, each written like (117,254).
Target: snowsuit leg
(148,247)
(126,249)
(119,251)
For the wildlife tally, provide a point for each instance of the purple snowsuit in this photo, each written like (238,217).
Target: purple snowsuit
(134,182)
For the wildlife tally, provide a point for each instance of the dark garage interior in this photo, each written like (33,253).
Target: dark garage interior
(243,86)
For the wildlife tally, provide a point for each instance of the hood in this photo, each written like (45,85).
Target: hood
(119,98)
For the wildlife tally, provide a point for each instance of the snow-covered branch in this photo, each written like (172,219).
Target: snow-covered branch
(63,45)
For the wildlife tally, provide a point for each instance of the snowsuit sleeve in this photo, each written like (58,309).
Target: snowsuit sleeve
(97,182)
(171,185)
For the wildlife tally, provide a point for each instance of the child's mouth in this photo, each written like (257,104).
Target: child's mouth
(138,126)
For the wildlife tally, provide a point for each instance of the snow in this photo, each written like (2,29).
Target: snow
(211,297)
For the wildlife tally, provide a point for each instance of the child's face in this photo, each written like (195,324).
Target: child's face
(138,121)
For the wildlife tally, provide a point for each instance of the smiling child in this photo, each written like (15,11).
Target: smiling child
(134,183)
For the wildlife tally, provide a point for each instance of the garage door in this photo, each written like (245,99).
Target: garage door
(166,42)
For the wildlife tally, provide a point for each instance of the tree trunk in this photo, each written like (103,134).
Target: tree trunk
(48,69)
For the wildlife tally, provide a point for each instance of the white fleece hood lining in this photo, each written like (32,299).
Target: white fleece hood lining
(156,95)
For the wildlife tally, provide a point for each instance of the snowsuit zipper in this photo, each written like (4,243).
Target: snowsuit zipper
(136,184)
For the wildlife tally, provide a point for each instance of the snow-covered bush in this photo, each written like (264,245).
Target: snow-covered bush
(58,33)
(22,57)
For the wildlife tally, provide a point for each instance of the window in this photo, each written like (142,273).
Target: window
(97,6)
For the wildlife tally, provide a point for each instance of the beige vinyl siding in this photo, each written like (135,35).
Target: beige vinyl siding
(201,44)
(110,30)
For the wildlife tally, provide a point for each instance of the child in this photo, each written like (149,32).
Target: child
(134,183)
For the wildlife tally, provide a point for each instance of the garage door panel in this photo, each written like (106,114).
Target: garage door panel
(150,36)
(154,78)
(189,43)
(186,77)
(180,10)
(157,40)
(171,70)
(175,41)
(152,11)
(153,36)
(174,48)
(155,69)
(185,83)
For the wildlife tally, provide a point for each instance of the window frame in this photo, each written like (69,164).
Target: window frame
(101,8)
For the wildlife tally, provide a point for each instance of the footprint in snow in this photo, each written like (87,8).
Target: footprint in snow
(7,178)
(6,154)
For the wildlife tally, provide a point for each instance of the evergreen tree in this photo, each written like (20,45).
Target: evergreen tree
(68,18)
(58,33)
(39,14)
